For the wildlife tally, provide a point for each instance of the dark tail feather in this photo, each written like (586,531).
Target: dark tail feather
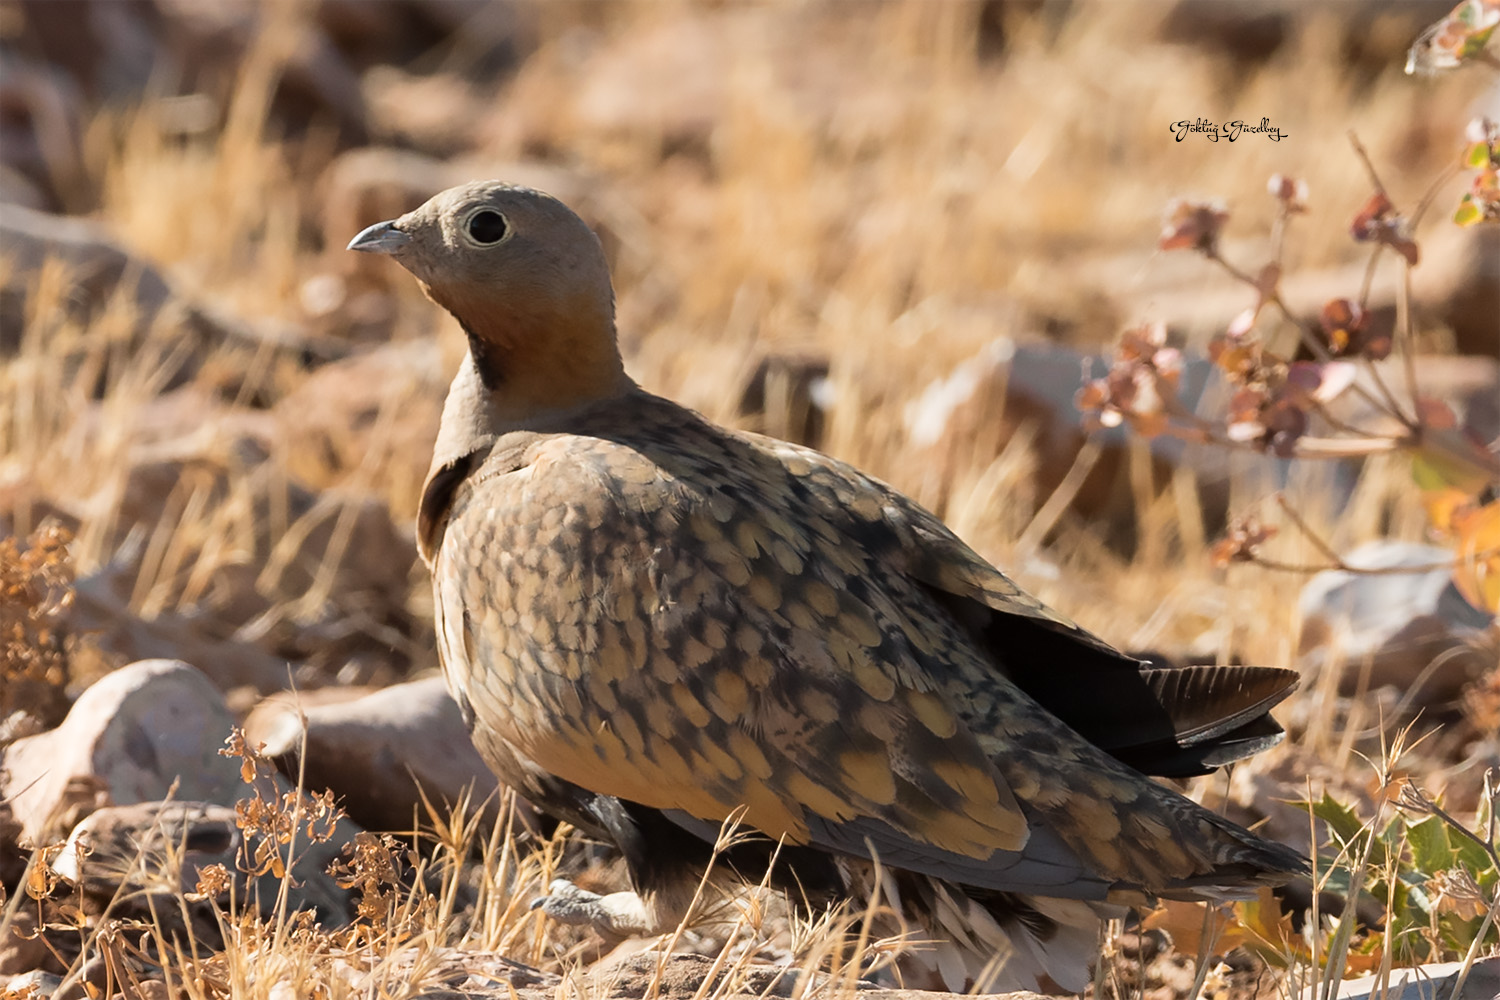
(1218,715)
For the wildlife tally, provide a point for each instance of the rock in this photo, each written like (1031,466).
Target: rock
(1462,288)
(1456,285)
(96,270)
(969,416)
(458,974)
(681,977)
(481,976)
(23,951)
(147,730)
(283,574)
(93,284)
(41,133)
(101,612)
(495,36)
(18,189)
(1374,34)
(1411,630)
(36,985)
(433,112)
(102,849)
(368,185)
(668,80)
(156,852)
(787,396)
(105,48)
(1437,981)
(206,44)
(148,989)
(380,752)
(332,425)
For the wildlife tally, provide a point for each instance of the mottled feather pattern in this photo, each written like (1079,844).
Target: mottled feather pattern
(651,623)
(712,619)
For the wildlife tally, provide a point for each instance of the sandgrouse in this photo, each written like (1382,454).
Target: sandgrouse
(650,622)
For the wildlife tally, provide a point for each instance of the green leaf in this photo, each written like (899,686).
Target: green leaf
(1447,456)
(1475,43)
(1468,213)
(1431,850)
(1473,857)
(1477,156)
(1341,819)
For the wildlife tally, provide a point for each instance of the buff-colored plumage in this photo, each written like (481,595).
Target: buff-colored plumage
(634,603)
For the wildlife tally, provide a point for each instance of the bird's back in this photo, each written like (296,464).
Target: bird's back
(655,608)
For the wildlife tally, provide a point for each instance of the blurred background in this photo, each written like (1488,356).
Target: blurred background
(899,231)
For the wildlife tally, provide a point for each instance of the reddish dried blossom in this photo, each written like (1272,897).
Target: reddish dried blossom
(1237,354)
(1291,192)
(1351,331)
(1274,409)
(1376,223)
(1193,225)
(1242,541)
(1140,386)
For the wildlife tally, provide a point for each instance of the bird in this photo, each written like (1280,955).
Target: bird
(653,625)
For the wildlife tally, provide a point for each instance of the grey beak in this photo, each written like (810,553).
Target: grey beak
(383,237)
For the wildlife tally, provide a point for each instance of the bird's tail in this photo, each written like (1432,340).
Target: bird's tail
(966,940)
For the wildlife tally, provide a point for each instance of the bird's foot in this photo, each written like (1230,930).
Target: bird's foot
(619,914)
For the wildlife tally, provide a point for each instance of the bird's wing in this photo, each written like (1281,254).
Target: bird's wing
(638,627)
(1168,721)
(697,621)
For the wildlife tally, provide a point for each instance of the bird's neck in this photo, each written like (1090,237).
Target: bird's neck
(530,365)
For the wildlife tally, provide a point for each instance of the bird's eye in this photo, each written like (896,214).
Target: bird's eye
(487,227)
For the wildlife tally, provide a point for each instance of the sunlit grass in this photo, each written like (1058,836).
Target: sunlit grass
(896,215)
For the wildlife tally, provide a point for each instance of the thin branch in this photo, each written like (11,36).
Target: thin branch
(1318,351)
(1417,800)
(1408,339)
(1364,157)
(1412,423)
(1368,281)
(1201,431)
(1432,192)
(1308,532)
(1308,569)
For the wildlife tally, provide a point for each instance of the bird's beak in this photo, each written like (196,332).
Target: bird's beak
(383,237)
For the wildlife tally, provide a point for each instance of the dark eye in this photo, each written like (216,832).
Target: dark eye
(487,227)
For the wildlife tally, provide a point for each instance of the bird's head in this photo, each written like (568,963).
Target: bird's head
(527,280)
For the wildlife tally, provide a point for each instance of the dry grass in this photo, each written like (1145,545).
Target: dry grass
(872,192)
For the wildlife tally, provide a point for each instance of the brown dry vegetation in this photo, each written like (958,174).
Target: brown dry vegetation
(890,186)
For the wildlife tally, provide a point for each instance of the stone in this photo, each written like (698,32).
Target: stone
(331,426)
(70,279)
(41,136)
(970,416)
(1437,981)
(1461,288)
(1411,630)
(95,270)
(157,851)
(148,730)
(36,985)
(316,579)
(787,396)
(380,752)
(101,612)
